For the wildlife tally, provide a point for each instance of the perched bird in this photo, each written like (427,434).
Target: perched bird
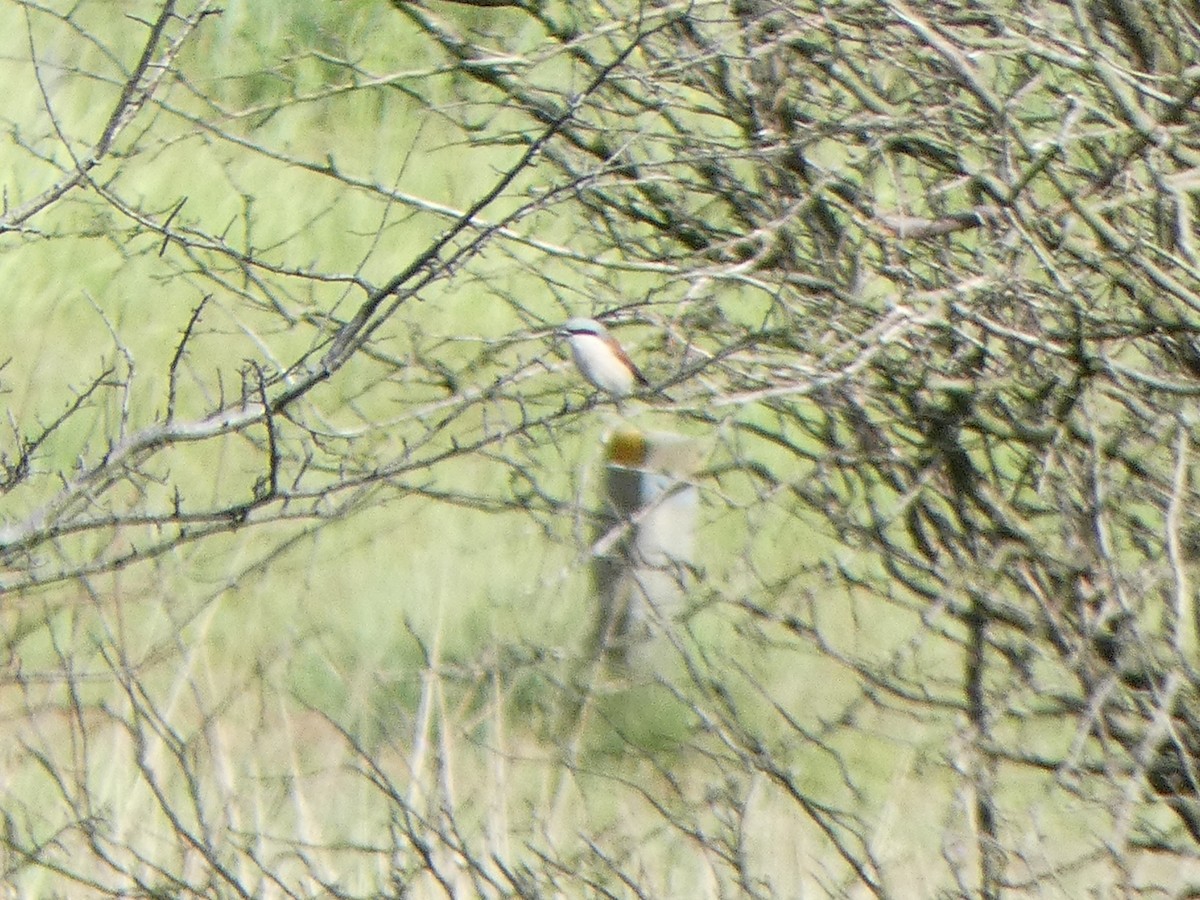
(601,359)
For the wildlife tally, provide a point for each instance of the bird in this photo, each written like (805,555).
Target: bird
(601,359)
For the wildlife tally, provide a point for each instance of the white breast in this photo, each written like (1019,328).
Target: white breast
(600,365)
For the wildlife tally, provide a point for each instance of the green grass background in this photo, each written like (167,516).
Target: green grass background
(434,640)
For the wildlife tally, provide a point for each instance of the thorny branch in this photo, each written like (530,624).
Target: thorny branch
(924,278)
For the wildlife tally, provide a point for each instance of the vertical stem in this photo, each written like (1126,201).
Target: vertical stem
(1182,625)
(991,861)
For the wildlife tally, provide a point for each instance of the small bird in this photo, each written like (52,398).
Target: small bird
(601,359)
